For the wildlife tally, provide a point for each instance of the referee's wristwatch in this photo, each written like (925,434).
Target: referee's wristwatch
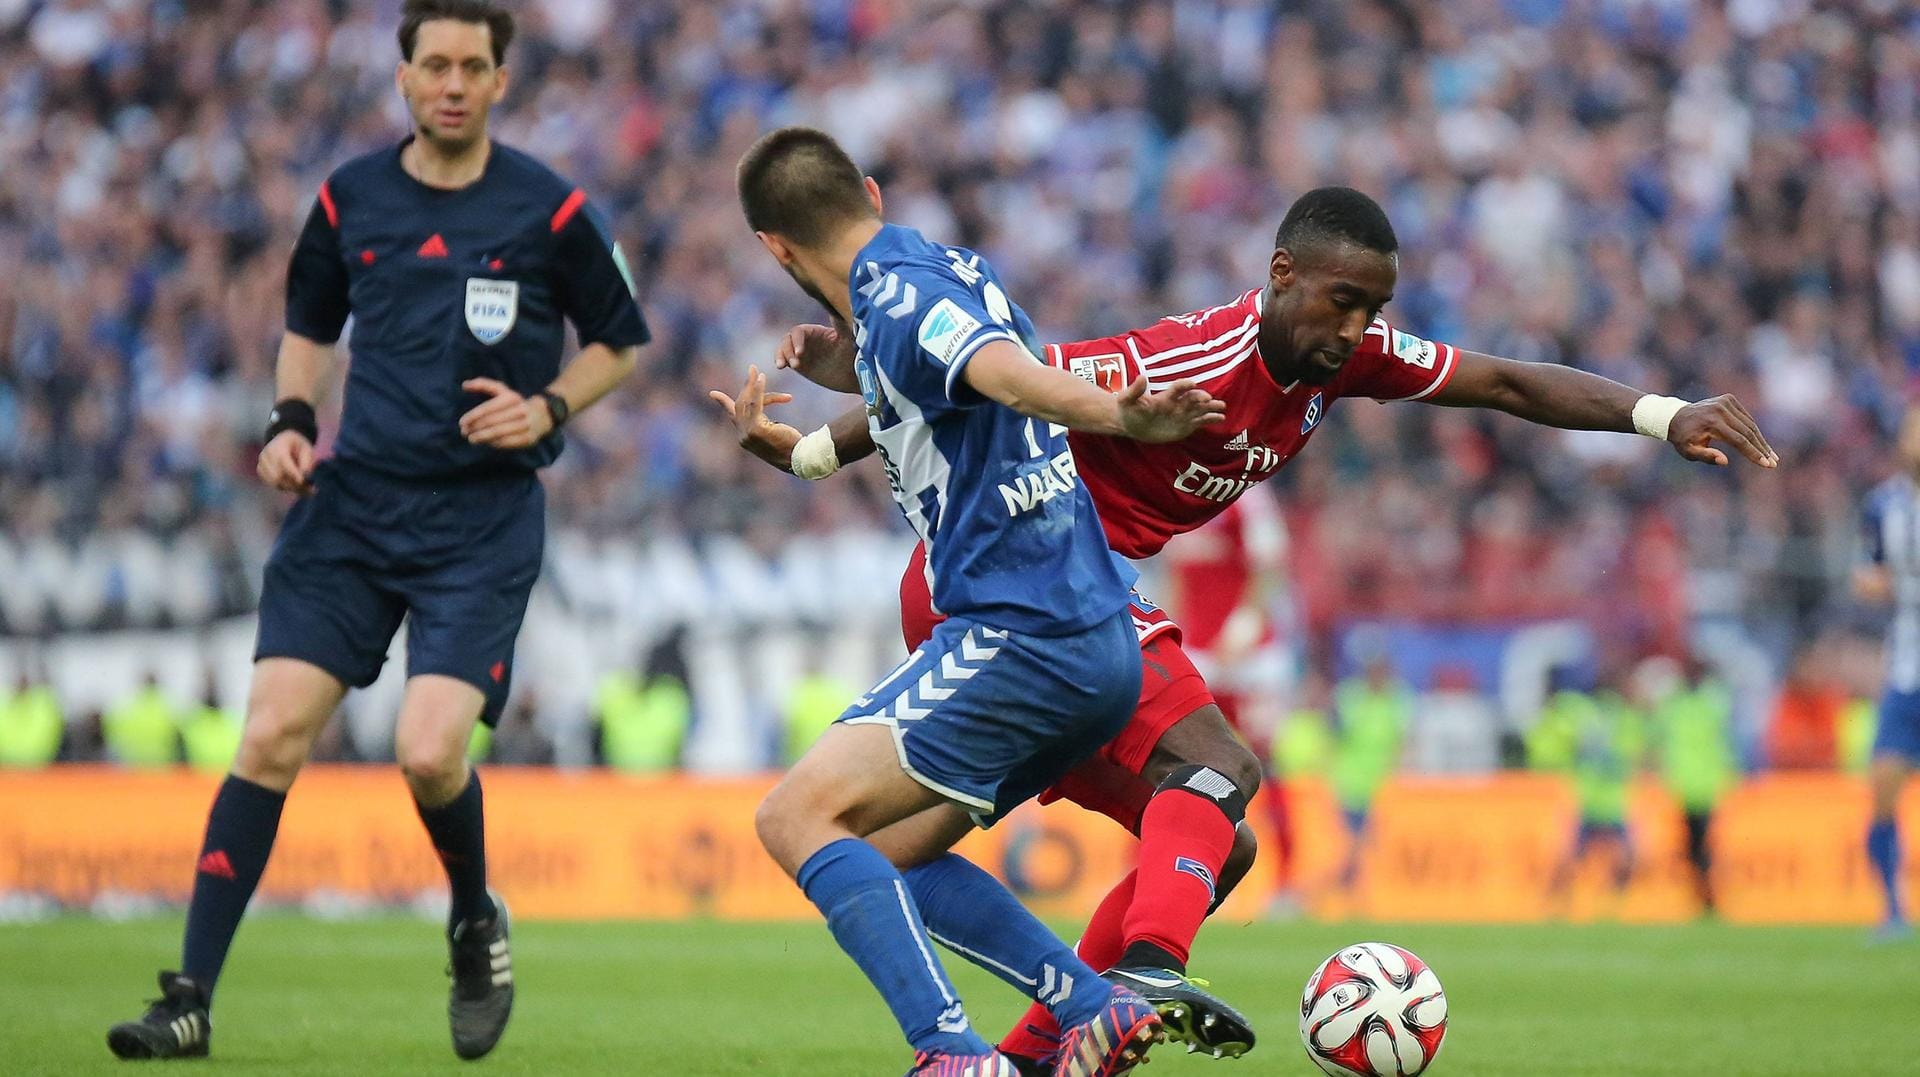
(557,407)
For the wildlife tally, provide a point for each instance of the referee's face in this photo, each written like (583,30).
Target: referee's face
(451,82)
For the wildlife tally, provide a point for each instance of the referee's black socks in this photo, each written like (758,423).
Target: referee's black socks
(240,832)
(458,830)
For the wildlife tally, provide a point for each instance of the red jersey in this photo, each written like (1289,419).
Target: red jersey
(1146,493)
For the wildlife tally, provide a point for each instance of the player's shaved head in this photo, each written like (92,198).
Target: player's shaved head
(1327,217)
(799,184)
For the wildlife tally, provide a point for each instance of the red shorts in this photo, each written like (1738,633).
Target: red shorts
(1170,689)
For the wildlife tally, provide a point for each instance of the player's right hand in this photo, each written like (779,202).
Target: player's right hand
(820,354)
(759,435)
(1168,415)
(1724,419)
(286,463)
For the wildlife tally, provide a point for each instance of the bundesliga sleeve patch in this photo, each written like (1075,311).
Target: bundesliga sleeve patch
(1102,371)
(1414,351)
(945,329)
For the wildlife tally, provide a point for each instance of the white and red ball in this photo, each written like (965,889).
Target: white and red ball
(1373,1010)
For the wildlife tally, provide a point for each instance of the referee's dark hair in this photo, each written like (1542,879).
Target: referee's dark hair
(498,20)
(798,183)
(1336,215)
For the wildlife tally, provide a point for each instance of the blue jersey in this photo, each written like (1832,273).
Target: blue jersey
(447,285)
(1892,533)
(1011,536)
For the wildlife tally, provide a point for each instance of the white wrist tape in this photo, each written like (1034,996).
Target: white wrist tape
(1652,415)
(813,456)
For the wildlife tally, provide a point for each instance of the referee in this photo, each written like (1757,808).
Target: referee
(457,258)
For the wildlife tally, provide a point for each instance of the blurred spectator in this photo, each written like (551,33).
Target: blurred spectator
(210,734)
(1303,747)
(1372,711)
(815,702)
(642,724)
(31,727)
(1693,738)
(1805,731)
(1598,740)
(140,729)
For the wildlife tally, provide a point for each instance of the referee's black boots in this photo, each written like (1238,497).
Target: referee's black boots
(176,1025)
(482,971)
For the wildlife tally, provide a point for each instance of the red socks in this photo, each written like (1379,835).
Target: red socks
(1185,836)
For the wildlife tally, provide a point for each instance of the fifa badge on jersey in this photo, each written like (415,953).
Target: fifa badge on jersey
(1414,351)
(1316,407)
(492,306)
(1101,371)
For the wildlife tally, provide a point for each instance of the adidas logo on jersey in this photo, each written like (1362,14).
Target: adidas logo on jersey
(1240,443)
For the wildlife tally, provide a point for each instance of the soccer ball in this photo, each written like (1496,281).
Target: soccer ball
(1373,1010)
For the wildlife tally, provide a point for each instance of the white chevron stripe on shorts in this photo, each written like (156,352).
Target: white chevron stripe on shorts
(940,680)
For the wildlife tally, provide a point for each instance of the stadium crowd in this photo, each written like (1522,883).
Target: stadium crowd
(1693,197)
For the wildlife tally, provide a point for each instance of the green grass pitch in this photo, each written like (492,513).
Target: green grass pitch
(778,1000)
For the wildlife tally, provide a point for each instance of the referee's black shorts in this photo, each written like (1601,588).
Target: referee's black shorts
(456,558)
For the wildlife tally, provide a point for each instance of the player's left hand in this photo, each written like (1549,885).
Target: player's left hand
(508,421)
(1722,418)
(759,435)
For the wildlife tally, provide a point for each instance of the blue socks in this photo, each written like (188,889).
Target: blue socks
(873,919)
(458,830)
(1883,848)
(970,913)
(240,832)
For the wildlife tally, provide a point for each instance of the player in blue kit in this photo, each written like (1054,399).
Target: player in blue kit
(1892,574)
(1035,667)
(459,259)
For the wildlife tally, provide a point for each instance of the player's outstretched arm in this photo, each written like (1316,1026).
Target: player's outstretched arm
(1570,399)
(301,373)
(1003,371)
(840,442)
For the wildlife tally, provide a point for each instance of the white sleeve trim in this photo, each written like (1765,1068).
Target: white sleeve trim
(966,353)
(1440,379)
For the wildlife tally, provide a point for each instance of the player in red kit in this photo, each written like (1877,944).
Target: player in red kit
(1279,356)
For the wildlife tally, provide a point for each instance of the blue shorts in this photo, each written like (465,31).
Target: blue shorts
(1899,728)
(989,718)
(456,558)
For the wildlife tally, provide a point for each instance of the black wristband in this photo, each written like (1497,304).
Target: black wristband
(557,407)
(293,414)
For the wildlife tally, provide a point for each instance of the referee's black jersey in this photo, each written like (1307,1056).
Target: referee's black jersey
(446,285)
